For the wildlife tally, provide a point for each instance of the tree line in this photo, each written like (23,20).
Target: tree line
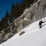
(16,11)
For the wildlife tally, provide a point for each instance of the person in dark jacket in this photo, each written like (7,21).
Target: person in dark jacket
(40,23)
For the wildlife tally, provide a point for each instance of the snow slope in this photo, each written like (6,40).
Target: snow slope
(33,36)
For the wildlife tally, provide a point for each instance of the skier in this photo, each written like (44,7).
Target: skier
(40,23)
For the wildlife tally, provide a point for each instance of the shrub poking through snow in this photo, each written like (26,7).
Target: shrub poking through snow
(22,32)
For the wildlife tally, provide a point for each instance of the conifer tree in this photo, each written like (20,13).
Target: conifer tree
(4,21)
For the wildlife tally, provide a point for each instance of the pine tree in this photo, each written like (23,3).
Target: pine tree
(4,21)
(12,13)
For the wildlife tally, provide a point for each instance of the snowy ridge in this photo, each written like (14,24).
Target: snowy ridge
(30,15)
(33,36)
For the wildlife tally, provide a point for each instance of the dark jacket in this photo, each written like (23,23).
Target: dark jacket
(41,22)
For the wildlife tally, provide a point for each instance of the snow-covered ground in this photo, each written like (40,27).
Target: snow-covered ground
(33,36)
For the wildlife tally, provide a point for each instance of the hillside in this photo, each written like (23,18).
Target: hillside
(33,36)
(33,13)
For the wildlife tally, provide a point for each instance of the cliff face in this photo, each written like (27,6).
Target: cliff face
(31,14)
